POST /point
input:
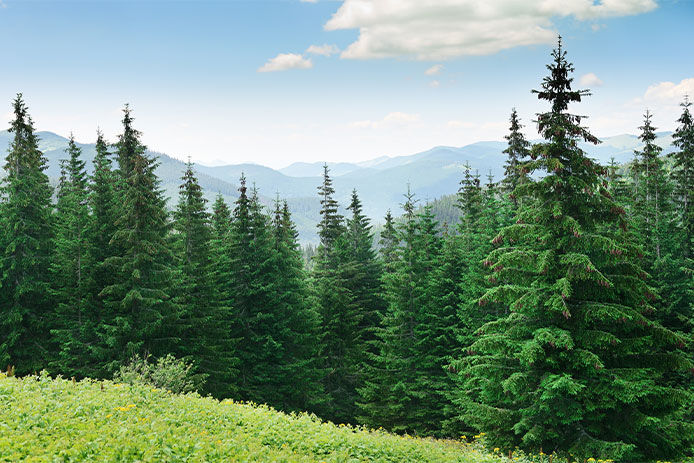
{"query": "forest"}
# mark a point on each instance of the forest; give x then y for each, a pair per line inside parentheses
(555, 316)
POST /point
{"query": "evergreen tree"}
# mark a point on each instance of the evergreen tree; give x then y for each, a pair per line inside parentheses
(362, 271)
(101, 228)
(331, 224)
(517, 152)
(618, 187)
(340, 347)
(576, 365)
(297, 323)
(26, 237)
(388, 241)
(652, 194)
(251, 295)
(683, 177)
(465, 252)
(404, 390)
(204, 339)
(141, 316)
(75, 321)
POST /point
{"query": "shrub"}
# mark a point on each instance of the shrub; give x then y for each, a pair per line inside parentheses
(168, 372)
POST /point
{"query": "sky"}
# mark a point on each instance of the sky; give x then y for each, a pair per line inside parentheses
(273, 82)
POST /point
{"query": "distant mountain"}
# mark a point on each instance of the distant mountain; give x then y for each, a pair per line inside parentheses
(381, 182)
(313, 169)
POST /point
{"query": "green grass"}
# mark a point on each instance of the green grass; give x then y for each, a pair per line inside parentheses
(44, 419)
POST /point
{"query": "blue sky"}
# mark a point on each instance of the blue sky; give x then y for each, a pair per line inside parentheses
(401, 76)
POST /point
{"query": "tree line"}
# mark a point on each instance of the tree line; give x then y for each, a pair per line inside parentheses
(555, 316)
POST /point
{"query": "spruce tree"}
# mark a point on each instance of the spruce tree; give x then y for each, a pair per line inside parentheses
(340, 349)
(652, 194)
(465, 252)
(204, 339)
(388, 241)
(577, 365)
(251, 296)
(299, 372)
(404, 388)
(362, 272)
(75, 318)
(141, 315)
(101, 228)
(683, 177)
(517, 152)
(26, 241)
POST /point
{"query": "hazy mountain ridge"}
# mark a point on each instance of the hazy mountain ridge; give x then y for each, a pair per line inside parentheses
(380, 182)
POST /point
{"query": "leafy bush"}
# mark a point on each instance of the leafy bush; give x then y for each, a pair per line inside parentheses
(167, 372)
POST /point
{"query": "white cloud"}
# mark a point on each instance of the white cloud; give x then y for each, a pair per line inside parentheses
(434, 84)
(323, 50)
(434, 70)
(391, 120)
(456, 124)
(669, 92)
(590, 80)
(285, 61)
(442, 29)
(308, 1)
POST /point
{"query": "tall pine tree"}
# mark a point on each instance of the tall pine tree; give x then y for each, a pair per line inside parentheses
(517, 152)
(204, 338)
(577, 365)
(75, 319)
(141, 315)
(26, 240)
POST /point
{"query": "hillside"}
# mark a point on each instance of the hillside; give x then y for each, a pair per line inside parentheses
(46, 419)
(430, 174)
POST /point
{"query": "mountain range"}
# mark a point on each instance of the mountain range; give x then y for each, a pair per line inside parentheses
(380, 182)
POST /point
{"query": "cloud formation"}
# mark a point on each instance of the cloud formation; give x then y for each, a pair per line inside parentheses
(590, 80)
(434, 70)
(285, 61)
(323, 50)
(669, 92)
(443, 29)
(391, 120)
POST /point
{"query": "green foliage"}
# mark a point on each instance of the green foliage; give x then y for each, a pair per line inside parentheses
(46, 418)
(203, 316)
(75, 320)
(168, 373)
(26, 241)
(517, 151)
(140, 314)
(404, 390)
(577, 364)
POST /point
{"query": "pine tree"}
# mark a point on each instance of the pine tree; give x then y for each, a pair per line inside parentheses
(683, 177)
(299, 373)
(204, 339)
(618, 187)
(141, 316)
(251, 295)
(577, 364)
(25, 247)
(75, 320)
(517, 152)
(462, 263)
(388, 241)
(362, 271)
(101, 228)
(330, 226)
(403, 391)
(340, 316)
(652, 205)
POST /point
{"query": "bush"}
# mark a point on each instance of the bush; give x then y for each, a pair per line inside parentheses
(170, 373)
